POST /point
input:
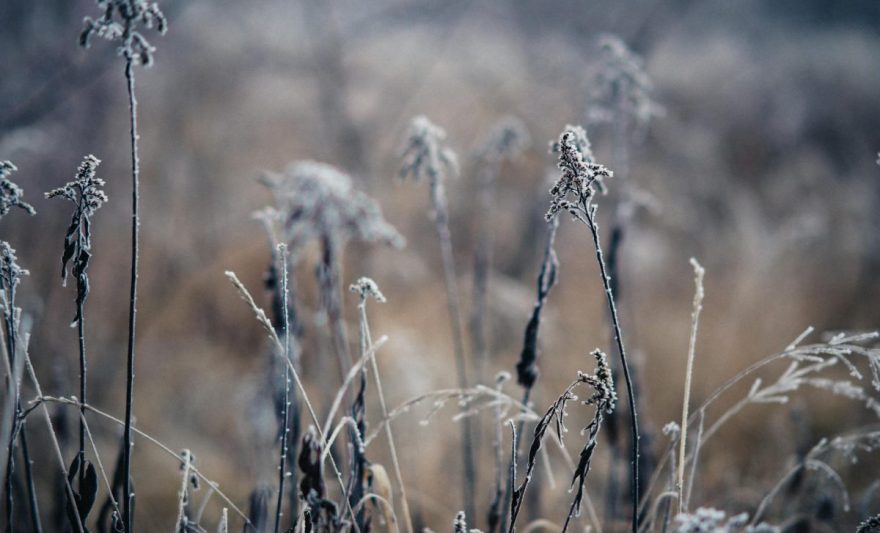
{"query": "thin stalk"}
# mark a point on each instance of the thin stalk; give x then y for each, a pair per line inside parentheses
(329, 282)
(590, 213)
(395, 462)
(80, 327)
(56, 446)
(454, 310)
(692, 344)
(285, 409)
(31, 487)
(127, 495)
(17, 429)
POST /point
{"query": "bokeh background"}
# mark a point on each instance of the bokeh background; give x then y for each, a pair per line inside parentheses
(762, 166)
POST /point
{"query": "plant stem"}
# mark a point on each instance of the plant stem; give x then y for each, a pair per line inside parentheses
(127, 495)
(368, 344)
(80, 326)
(17, 427)
(468, 465)
(590, 213)
(285, 409)
(29, 475)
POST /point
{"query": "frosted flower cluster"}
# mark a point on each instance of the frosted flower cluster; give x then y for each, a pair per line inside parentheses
(315, 201)
(604, 395)
(11, 194)
(423, 156)
(580, 174)
(86, 189)
(623, 90)
(10, 272)
(367, 288)
(133, 46)
(507, 138)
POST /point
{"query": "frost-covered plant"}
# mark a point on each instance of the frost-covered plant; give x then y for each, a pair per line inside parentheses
(604, 398)
(574, 193)
(622, 92)
(10, 277)
(318, 202)
(425, 158)
(119, 23)
(366, 288)
(133, 46)
(11, 194)
(87, 195)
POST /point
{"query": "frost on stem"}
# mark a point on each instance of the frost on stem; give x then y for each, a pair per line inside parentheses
(367, 288)
(316, 201)
(87, 195)
(11, 194)
(423, 156)
(119, 22)
(580, 174)
(622, 88)
(508, 138)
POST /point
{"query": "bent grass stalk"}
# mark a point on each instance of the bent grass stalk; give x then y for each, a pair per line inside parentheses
(699, 273)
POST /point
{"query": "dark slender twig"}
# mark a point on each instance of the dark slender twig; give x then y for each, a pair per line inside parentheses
(618, 338)
(285, 409)
(574, 193)
(127, 495)
(136, 50)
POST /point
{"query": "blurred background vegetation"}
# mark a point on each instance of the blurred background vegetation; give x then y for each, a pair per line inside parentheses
(762, 166)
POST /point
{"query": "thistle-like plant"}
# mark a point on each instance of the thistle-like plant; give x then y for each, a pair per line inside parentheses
(119, 23)
(425, 158)
(87, 195)
(575, 193)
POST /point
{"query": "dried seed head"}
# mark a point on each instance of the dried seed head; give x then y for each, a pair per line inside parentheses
(622, 88)
(672, 430)
(507, 138)
(366, 288)
(315, 201)
(85, 190)
(86, 193)
(11, 194)
(423, 156)
(604, 394)
(131, 13)
(573, 190)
